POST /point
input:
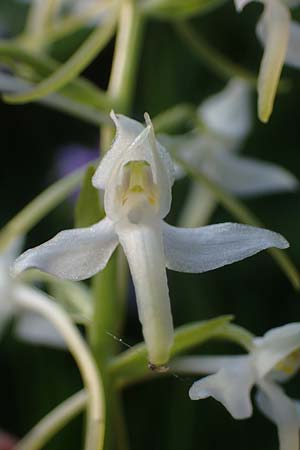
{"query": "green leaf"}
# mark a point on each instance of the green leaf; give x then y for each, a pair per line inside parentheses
(132, 365)
(179, 9)
(71, 68)
(88, 210)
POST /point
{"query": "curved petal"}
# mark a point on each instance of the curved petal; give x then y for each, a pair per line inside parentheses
(247, 176)
(127, 130)
(134, 142)
(33, 329)
(228, 113)
(143, 148)
(197, 250)
(143, 247)
(206, 364)
(273, 29)
(231, 386)
(274, 346)
(279, 408)
(292, 57)
(73, 254)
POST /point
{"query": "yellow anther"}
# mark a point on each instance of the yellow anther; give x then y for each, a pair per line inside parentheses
(138, 179)
(290, 364)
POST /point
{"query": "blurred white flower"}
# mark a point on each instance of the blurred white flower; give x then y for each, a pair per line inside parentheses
(274, 358)
(280, 37)
(28, 327)
(136, 175)
(226, 119)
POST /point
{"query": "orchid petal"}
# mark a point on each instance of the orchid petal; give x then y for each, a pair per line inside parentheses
(273, 28)
(163, 170)
(228, 113)
(231, 386)
(292, 57)
(127, 130)
(133, 142)
(143, 247)
(73, 254)
(279, 408)
(197, 250)
(247, 176)
(274, 346)
(205, 364)
(33, 329)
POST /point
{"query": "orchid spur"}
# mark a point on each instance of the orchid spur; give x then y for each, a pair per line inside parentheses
(137, 175)
(273, 358)
(280, 37)
(225, 122)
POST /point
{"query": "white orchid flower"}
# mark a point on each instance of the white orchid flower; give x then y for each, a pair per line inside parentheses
(274, 358)
(280, 37)
(226, 119)
(136, 175)
(29, 327)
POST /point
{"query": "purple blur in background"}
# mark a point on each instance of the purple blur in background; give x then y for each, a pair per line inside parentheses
(70, 158)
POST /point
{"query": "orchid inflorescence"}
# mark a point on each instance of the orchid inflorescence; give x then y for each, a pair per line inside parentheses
(122, 217)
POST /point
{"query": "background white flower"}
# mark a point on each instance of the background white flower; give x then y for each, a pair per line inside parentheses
(29, 327)
(274, 358)
(227, 121)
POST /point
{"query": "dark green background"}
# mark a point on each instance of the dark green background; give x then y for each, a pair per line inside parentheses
(159, 414)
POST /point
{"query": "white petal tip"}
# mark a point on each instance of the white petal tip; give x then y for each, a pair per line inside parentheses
(147, 119)
(281, 242)
(240, 4)
(113, 116)
(197, 394)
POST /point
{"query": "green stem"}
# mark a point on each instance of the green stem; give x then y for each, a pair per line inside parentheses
(37, 301)
(39, 17)
(125, 61)
(56, 101)
(132, 365)
(78, 89)
(39, 207)
(110, 295)
(172, 118)
(243, 214)
(215, 60)
(53, 422)
(67, 25)
(71, 68)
